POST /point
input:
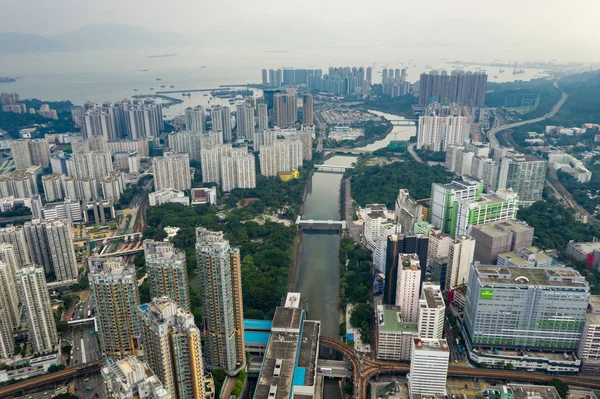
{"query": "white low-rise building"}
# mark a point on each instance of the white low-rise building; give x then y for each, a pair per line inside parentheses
(569, 164)
(168, 195)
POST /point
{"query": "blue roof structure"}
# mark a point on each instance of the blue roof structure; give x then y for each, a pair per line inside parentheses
(256, 337)
(253, 324)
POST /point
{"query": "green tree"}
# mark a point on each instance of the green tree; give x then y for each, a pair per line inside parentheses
(62, 326)
(561, 387)
(362, 314)
(66, 349)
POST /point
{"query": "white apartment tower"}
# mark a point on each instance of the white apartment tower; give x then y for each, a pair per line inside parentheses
(221, 121)
(262, 116)
(431, 312)
(10, 297)
(428, 367)
(172, 170)
(19, 150)
(53, 190)
(15, 236)
(38, 309)
(51, 246)
(194, 119)
(407, 288)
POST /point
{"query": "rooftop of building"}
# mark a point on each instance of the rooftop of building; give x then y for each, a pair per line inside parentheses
(539, 255)
(586, 247)
(519, 353)
(561, 277)
(593, 318)
(518, 391)
(487, 199)
(524, 157)
(515, 259)
(390, 320)
(438, 345)
(581, 394)
(434, 299)
(287, 318)
(290, 358)
(500, 228)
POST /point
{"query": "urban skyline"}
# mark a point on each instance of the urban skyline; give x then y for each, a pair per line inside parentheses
(152, 246)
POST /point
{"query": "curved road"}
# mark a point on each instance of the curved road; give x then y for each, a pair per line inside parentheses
(492, 133)
(552, 180)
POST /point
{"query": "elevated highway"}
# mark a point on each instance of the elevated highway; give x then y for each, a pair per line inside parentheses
(59, 376)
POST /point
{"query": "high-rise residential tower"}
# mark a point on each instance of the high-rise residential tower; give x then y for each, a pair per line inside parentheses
(244, 120)
(172, 170)
(167, 272)
(15, 236)
(262, 116)
(265, 78)
(51, 246)
(172, 348)
(38, 309)
(19, 150)
(307, 109)
(116, 299)
(221, 298)
(195, 119)
(524, 174)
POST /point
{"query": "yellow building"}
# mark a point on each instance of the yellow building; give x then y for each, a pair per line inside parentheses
(287, 176)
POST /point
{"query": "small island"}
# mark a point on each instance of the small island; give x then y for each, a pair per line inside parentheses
(7, 80)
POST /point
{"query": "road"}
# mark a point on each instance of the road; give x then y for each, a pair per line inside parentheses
(411, 150)
(492, 133)
(51, 379)
(551, 178)
(86, 350)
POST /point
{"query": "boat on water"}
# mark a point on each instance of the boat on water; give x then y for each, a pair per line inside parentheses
(205, 95)
(202, 66)
(495, 76)
(158, 79)
(135, 90)
(501, 71)
(172, 86)
(162, 86)
(152, 88)
(144, 70)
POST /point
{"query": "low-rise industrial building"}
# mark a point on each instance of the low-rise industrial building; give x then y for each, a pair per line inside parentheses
(289, 367)
(394, 336)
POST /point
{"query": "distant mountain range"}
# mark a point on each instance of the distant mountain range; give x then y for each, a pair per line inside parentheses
(91, 37)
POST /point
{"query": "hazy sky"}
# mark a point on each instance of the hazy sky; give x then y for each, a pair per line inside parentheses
(548, 28)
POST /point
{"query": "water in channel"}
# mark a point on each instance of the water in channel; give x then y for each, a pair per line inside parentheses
(319, 278)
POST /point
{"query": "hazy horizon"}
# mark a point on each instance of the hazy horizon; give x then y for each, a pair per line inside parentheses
(509, 29)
